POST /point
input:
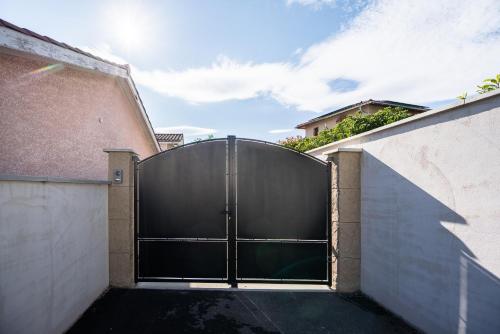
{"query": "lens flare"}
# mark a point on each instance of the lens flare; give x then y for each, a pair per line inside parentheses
(32, 77)
(131, 25)
(47, 69)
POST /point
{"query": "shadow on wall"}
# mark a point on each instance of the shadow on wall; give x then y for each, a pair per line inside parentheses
(414, 259)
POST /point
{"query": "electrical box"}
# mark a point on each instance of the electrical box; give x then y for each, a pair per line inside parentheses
(118, 176)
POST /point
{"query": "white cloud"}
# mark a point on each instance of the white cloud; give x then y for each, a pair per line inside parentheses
(316, 4)
(224, 80)
(412, 51)
(187, 130)
(281, 130)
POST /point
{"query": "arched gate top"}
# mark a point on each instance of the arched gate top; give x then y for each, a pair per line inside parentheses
(166, 152)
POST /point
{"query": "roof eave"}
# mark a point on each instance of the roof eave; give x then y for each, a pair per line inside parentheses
(320, 118)
(402, 105)
(17, 41)
(142, 110)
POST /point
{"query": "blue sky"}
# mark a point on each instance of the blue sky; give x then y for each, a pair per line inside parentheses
(257, 68)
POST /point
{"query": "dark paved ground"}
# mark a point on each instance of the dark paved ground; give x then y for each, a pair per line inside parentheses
(196, 311)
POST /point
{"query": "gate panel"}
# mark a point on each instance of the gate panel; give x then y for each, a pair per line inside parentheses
(282, 214)
(182, 230)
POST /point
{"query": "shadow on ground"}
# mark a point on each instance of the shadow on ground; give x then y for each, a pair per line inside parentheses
(197, 311)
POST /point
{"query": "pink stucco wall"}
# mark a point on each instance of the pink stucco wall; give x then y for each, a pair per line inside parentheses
(56, 122)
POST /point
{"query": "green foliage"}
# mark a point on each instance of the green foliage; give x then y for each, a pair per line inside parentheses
(489, 84)
(201, 139)
(462, 97)
(349, 126)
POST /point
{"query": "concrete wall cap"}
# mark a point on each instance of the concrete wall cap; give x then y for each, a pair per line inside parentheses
(50, 179)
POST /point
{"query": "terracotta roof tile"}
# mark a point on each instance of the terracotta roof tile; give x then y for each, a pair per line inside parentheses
(169, 137)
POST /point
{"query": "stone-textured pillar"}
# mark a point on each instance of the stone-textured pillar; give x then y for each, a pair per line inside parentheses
(121, 217)
(346, 231)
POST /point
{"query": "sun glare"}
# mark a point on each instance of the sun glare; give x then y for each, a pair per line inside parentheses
(130, 25)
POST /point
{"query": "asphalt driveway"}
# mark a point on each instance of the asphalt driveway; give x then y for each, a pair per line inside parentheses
(203, 311)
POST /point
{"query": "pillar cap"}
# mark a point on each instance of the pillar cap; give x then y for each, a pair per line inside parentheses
(344, 149)
(120, 150)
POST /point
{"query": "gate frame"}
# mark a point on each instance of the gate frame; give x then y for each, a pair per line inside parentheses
(231, 241)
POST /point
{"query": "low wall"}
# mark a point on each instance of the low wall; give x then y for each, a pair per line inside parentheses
(430, 216)
(53, 252)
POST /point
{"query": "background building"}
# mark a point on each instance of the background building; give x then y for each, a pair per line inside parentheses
(169, 140)
(327, 121)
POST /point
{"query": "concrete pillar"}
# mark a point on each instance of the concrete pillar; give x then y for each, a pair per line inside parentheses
(346, 229)
(121, 217)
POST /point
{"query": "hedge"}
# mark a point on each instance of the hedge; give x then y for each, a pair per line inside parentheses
(349, 126)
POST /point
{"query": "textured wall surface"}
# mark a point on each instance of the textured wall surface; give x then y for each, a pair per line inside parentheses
(56, 120)
(430, 218)
(121, 213)
(346, 216)
(53, 253)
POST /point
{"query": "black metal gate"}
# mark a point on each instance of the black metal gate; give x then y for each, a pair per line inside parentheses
(234, 210)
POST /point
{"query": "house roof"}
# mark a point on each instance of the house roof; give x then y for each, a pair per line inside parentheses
(413, 107)
(169, 137)
(28, 32)
(26, 41)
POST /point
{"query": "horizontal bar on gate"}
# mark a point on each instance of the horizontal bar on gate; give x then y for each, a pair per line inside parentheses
(182, 279)
(183, 239)
(279, 279)
(281, 240)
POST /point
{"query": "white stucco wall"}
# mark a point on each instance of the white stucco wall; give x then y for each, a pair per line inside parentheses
(430, 217)
(53, 253)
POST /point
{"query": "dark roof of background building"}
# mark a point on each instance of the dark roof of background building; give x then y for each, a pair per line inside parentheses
(169, 137)
(31, 33)
(413, 107)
